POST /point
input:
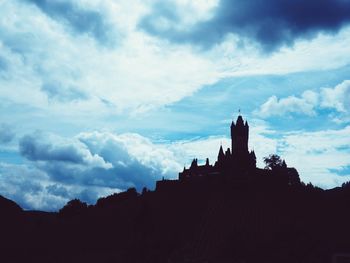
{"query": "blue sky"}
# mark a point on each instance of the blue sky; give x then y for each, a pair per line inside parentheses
(98, 96)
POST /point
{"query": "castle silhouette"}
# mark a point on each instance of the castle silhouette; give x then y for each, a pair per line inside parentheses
(235, 165)
(238, 158)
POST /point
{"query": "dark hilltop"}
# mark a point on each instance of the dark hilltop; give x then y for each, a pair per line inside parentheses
(229, 211)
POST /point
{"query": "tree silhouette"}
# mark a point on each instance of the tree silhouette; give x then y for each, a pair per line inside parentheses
(273, 161)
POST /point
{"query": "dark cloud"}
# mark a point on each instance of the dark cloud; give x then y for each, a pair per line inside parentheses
(272, 23)
(94, 160)
(56, 91)
(7, 133)
(79, 19)
(35, 149)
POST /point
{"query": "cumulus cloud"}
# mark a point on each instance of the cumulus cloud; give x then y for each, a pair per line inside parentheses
(100, 159)
(271, 24)
(336, 98)
(136, 159)
(40, 147)
(303, 105)
(87, 166)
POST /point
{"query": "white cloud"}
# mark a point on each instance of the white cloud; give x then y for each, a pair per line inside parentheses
(138, 74)
(317, 155)
(305, 105)
(130, 147)
(337, 98)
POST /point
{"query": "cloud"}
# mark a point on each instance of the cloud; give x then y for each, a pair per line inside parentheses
(100, 159)
(278, 107)
(271, 24)
(139, 74)
(337, 98)
(310, 102)
(81, 20)
(40, 147)
(55, 91)
(135, 158)
(32, 188)
(7, 134)
(87, 166)
(318, 156)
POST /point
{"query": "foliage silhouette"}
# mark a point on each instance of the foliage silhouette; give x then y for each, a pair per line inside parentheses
(274, 161)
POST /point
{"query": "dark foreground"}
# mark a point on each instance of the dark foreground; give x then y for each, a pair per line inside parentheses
(209, 221)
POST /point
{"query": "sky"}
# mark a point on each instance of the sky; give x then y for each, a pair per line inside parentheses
(97, 96)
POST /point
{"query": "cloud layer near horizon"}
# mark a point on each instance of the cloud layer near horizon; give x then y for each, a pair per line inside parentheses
(64, 168)
(95, 164)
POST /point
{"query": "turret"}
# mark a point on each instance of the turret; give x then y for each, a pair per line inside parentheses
(221, 155)
(194, 163)
(239, 136)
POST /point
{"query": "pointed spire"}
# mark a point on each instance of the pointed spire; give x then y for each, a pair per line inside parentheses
(221, 151)
(207, 162)
(194, 163)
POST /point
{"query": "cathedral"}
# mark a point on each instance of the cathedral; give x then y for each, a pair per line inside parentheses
(236, 160)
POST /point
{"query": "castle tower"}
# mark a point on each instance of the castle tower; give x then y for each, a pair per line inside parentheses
(239, 137)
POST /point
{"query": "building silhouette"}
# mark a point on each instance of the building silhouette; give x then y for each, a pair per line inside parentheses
(234, 166)
(232, 162)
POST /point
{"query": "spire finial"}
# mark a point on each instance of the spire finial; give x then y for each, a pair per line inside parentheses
(239, 111)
